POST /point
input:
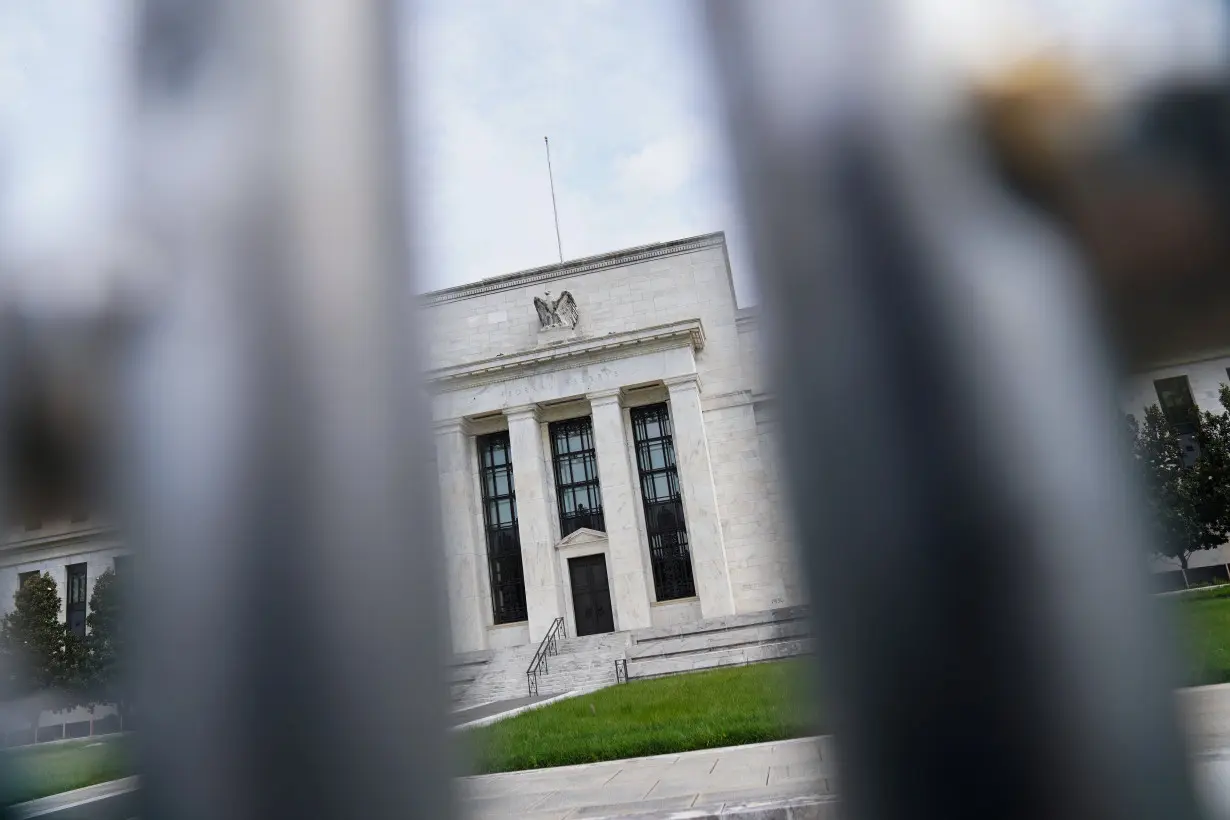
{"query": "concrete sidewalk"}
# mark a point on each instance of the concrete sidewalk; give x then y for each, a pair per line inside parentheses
(709, 783)
(60, 804)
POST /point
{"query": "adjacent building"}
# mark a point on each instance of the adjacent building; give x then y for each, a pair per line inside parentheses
(1181, 389)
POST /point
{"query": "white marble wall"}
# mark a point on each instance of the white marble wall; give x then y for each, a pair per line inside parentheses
(675, 613)
(760, 565)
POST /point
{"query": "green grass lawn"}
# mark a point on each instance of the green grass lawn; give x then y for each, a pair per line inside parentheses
(1204, 620)
(51, 768)
(701, 710)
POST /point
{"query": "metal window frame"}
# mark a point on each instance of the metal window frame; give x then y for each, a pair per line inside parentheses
(593, 518)
(76, 593)
(508, 604)
(670, 554)
(1186, 424)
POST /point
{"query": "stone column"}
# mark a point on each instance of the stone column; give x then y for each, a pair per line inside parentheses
(699, 498)
(542, 588)
(620, 495)
(465, 553)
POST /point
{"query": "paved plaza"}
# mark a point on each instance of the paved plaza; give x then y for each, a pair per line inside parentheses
(695, 783)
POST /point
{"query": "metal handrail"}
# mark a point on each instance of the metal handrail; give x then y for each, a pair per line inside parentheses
(549, 646)
(621, 670)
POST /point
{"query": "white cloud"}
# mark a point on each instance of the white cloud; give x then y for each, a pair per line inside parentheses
(662, 167)
(59, 84)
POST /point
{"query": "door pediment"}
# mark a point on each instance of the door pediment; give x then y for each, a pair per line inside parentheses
(583, 537)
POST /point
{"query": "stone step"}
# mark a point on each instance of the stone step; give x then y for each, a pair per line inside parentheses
(729, 638)
(656, 667)
(732, 640)
(501, 677)
(723, 623)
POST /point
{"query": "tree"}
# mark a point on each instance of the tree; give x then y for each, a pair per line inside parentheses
(1190, 504)
(106, 645)
(42, 656)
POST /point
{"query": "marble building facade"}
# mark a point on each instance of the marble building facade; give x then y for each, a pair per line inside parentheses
(604, 448)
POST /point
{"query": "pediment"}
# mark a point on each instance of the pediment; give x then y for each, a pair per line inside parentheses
(581, 537)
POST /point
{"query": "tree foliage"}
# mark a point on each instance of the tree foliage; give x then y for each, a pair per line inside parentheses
(41, 654)
(1190, 504)
(106, 645)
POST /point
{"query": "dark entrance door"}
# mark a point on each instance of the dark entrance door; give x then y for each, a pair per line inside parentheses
(591, 595)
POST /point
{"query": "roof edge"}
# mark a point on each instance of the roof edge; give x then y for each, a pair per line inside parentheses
(586, 264)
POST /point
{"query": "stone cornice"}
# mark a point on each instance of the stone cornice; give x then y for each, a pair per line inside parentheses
(578, 266)
(1181, 361)
(56, 539)
(567, 354)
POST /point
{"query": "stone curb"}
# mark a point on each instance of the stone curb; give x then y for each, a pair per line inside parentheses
(489, 719)
(798, 807)
(1191, 590)
(76, 797)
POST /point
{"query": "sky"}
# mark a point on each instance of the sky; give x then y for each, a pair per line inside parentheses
(621, 87)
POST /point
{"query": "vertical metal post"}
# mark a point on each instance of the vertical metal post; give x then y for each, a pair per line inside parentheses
(959, 493)
(280, 489)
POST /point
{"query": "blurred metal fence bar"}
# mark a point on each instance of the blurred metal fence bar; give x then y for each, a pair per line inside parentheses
(278, 490)
(947, 409)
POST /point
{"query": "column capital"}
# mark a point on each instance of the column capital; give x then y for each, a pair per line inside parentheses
(521, 411)
(688, 381)
(444, 427)
(601, 398)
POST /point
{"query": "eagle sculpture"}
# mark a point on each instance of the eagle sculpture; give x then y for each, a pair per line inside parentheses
(560, 313)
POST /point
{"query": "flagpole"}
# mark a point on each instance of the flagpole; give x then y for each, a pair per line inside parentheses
(558, 245)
